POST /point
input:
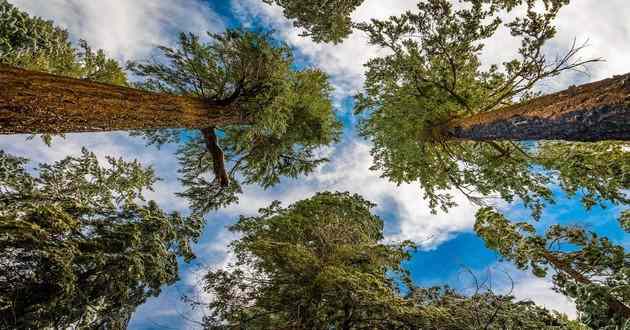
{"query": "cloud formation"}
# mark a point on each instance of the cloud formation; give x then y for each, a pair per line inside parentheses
(603, 25)
(125, 29)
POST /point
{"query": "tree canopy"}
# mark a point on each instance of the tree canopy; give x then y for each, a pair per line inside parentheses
(79, 247)
(286, 113)
(322, 20)
(321, 263)
(592, 270)
(435, 74)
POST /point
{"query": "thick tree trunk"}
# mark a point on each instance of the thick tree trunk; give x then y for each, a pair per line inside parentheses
(34, 102)
(592, 112)
(614, 304)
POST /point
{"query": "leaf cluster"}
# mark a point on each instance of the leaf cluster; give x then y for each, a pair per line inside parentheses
(588, 268)
(78, 245)
(36, 44)
(320, 263)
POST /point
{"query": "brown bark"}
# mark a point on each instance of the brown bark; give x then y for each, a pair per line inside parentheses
(218, 158)
(592, 112)
(614, 304)
(34, 102)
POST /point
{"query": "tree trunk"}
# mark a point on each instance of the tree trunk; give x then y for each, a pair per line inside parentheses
(613, 304)
(592, 112)
(34, 102)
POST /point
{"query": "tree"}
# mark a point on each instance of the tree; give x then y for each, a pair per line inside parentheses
(79, 247)
(588, 268)
(427, 105)
(285, 114)
(252, 109)
(320, 264)
(316, 264)
(323, 20)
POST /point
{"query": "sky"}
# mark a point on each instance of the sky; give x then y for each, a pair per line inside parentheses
(130, 30)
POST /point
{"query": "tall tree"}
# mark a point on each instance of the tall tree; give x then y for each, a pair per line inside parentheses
(79, 247)
(316, 264)
(433, 82)
(320, 264)
(255, 112)
(588, 268)
(285, 115)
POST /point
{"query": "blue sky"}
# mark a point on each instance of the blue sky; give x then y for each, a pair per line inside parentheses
(129, 29)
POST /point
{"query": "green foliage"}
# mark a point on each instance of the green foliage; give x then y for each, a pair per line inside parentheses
(600, 171)
(590, 269)
(35, 44)
(320, 264)
(484, 310)
(624, 220)
(287, 114)
(323, 20)
(79, 247)
(433, 75)
(317, 264)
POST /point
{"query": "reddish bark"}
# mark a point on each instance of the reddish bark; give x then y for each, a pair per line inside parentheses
(34, 102)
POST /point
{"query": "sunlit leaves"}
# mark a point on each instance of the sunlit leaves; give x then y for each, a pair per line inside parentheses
(434, 74)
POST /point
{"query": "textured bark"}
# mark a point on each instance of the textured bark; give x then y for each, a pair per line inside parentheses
(613, 304)
(34, 102)
(592, 112)
(218, 158)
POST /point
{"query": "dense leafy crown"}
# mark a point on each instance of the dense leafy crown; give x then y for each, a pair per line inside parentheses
(286, 113)
(588, 268)
(320, 264)
(323, 20)
(435, 74)
(316, 264)
(36, 44)
(78, 247)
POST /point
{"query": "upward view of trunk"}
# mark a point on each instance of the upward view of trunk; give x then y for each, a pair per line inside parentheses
(35, 102)
(592, 112)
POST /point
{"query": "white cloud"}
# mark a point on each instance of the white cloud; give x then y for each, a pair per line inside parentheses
(349, 170)
(606, 26)
(126, 29)
(603, 24)
(541, 291)
(344, 62)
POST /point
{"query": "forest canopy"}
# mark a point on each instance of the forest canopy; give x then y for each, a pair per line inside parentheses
(242, 110)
